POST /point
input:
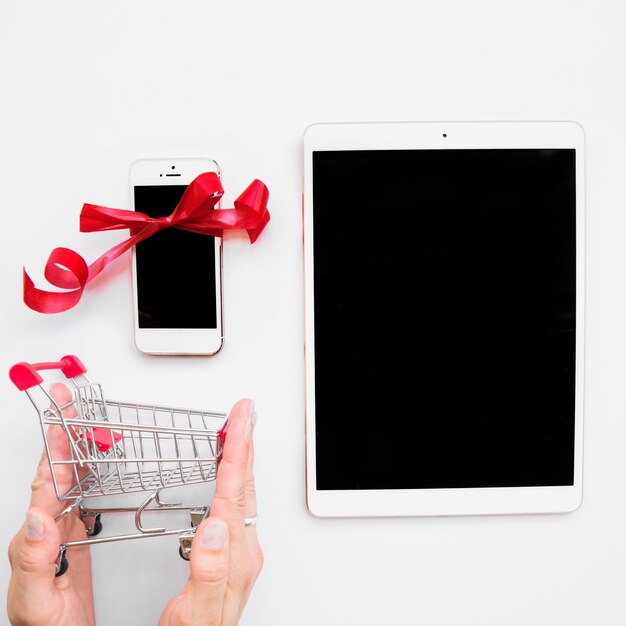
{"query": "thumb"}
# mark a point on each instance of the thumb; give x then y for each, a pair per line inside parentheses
(209, 564)
(33, 553)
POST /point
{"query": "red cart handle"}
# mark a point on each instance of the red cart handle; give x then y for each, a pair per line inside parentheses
(25, 376)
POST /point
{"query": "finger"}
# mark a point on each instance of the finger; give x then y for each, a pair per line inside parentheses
(32, 554)
(209, 570)
(43, 493)
(255, 552)
(71, 528)
(251, 505)
(230, 488)
(229, 503)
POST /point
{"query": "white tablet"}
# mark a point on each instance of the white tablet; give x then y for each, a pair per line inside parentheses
(444, 268)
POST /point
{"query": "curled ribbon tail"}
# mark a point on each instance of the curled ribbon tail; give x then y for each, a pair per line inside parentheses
(65, 269)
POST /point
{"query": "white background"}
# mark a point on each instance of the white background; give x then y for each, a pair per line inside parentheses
(87, 88)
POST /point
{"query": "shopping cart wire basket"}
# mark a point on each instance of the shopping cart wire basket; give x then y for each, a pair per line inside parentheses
(116, 448)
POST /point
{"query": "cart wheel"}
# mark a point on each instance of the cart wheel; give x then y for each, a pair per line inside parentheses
(63, 565)
(182, 554)
(97, 526)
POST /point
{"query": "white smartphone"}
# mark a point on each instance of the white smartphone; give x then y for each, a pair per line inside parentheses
(177, 275)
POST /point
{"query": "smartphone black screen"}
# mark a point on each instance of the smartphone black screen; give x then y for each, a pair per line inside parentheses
(445, 318)
(175, 268)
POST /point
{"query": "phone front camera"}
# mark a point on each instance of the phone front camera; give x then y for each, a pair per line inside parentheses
(445, 135)
(173, 167)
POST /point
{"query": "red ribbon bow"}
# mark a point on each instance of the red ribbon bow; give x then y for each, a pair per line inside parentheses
(67, 269)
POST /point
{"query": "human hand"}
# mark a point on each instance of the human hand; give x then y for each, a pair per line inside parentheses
(36, 597)
(224, 566)
(226, 558)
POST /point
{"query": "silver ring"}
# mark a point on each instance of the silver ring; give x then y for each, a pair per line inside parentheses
(250, 521)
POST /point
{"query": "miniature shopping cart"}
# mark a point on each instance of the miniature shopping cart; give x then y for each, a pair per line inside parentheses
(118, 448)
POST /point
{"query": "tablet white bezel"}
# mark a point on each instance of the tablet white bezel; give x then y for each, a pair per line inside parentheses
(441, 135)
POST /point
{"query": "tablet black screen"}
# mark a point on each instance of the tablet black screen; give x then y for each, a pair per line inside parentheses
(445, 287)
